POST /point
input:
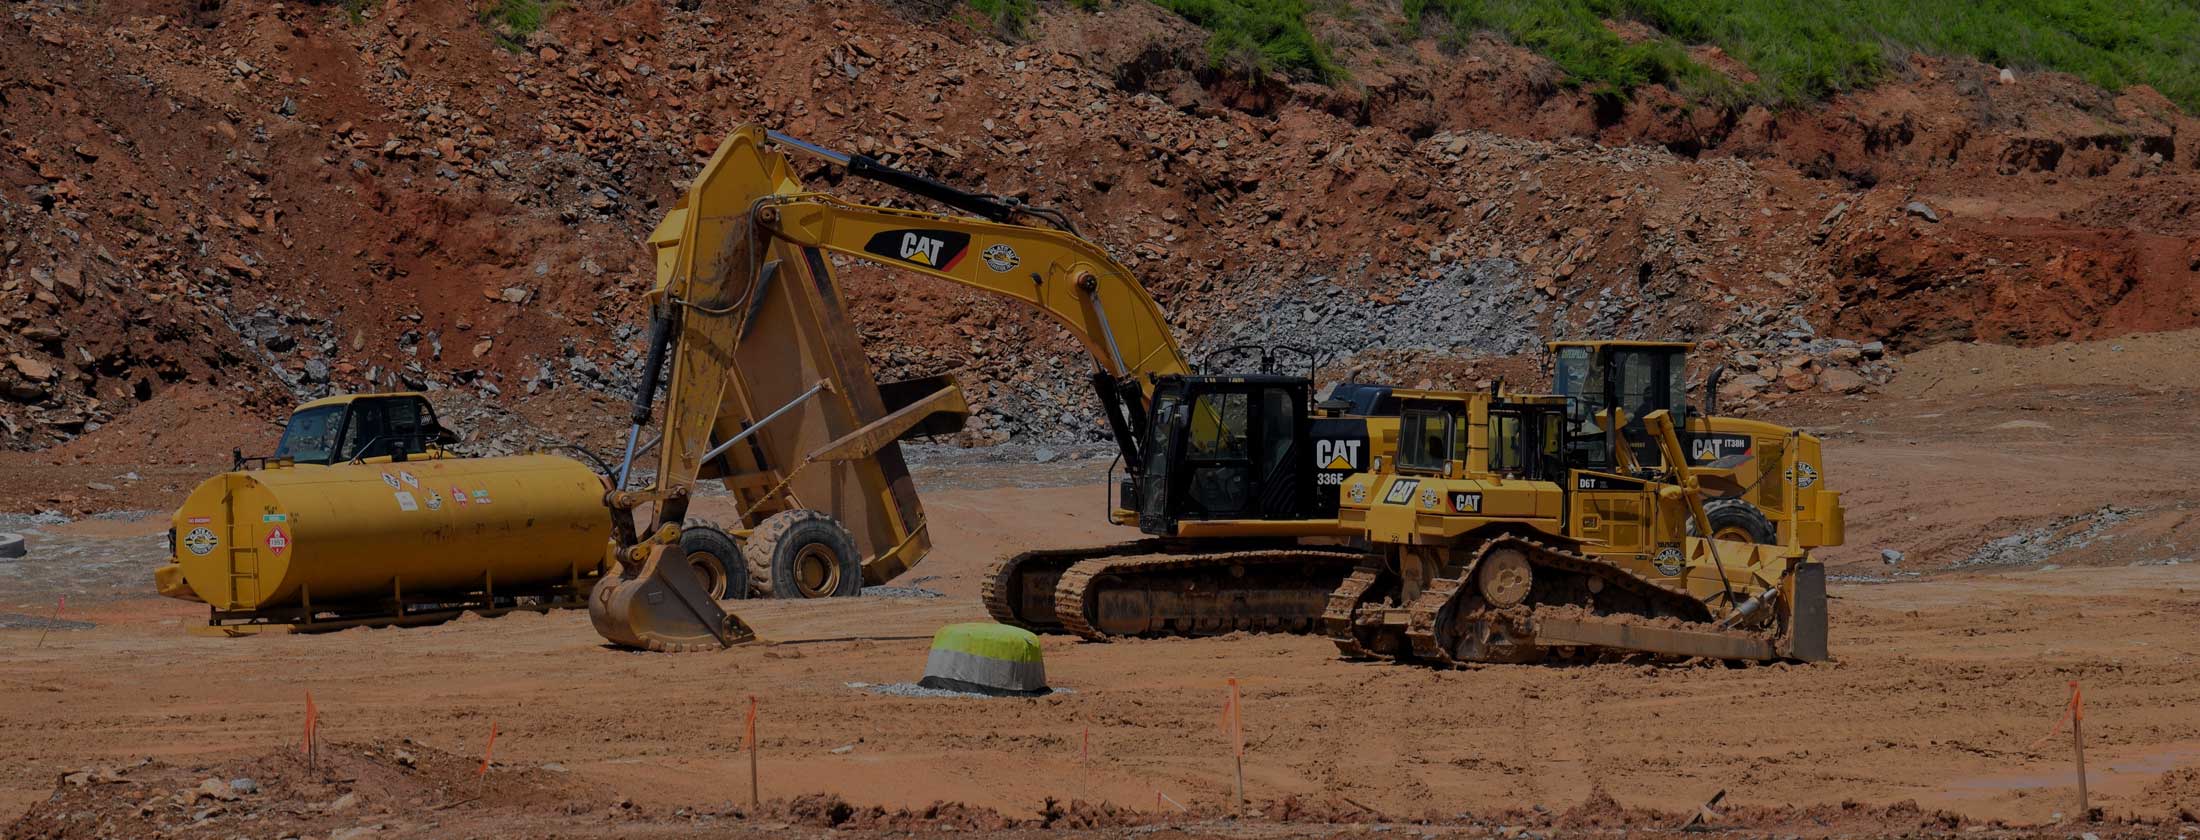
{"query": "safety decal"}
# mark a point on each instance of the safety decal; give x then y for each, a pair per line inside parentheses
(435, 500)
(1669, 561)
(201, 520)
(1401, 491)
(1466, 502)
(277, 541)
(405, 501)
(1809, 474)
(201, 541)
(481, 496)
(392, 481)
(1000, 257)
(458, 494)
(410, 481)
(934, 249)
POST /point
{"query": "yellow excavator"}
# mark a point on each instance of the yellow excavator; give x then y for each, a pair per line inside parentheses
(1242, 512)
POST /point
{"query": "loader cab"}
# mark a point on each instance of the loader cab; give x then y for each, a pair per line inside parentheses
(1637, 377)
(362, 427)
(1225, 448)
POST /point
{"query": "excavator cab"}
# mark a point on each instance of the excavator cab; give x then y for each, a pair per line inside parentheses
(1224, 448)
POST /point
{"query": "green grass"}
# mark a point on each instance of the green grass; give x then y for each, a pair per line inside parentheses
(1259, 36)
(1008, 15)
(1800, 50)
(514, 20)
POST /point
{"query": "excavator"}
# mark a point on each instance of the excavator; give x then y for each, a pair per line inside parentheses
(1252, 495)
(1236, 487)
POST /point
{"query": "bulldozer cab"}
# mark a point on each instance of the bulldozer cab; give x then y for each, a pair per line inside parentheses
(1226, 448)
(1636, 377)
(361, 427)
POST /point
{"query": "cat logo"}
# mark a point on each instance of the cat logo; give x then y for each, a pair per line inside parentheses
(934, 249)
(1669, 561)
(921, 249)
(1337, 454)
(1466, 502)
(1401, 491)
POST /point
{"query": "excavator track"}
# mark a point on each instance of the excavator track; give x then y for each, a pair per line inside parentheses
(1664, 621)
(1274, 590)
(1019, 591)
(1344, 602)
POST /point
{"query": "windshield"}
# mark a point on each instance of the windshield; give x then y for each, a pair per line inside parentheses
(1424, 440)
(311, 435)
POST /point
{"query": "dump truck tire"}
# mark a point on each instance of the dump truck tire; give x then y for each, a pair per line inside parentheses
(1737, 519)
(717, 561)
(804, 554)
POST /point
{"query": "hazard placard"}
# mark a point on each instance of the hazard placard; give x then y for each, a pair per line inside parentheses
(277, 541)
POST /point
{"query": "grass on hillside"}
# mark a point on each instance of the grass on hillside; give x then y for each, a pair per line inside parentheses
(1800, 50)
(514, 20)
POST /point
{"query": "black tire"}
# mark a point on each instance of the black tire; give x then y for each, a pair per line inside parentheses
(804, 554)
(1737, 516)
(706, 546)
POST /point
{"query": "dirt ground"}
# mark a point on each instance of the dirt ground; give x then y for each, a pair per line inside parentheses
(2046, 536)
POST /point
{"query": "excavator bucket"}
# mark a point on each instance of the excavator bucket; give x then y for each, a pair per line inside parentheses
(662, 607)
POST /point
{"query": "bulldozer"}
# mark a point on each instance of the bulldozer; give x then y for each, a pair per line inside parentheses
(1512, 527)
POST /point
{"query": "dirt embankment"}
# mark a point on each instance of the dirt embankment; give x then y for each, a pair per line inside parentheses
(261, 202)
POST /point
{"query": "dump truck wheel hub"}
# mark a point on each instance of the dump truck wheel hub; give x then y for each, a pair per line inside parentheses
(817, 571)
(710, 572)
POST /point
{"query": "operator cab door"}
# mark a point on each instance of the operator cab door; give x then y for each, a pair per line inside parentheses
(1235, 451)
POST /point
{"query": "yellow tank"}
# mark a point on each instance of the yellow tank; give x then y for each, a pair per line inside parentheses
(299, 544)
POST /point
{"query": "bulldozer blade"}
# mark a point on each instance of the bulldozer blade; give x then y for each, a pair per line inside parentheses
(663, 607)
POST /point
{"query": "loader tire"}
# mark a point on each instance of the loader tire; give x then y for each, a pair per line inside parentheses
(804, 554)
(1737, 520)
(717, 561)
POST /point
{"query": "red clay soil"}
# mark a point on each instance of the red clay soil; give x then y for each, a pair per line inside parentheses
(256, 202)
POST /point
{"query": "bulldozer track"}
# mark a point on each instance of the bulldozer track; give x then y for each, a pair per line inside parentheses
(1075, 597)
(1426, 621)
(1422, 615)
(1343, 601)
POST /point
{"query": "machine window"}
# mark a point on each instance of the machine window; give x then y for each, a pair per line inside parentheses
(366, 432)
(1424, 439)
(1508, 453)
(311, 435)
(1218, 426)
(1157, 433)
(1278, 427)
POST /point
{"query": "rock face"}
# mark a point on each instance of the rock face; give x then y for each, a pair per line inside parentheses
(358, 193)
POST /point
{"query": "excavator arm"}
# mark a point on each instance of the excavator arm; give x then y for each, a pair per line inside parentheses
(746, 308)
